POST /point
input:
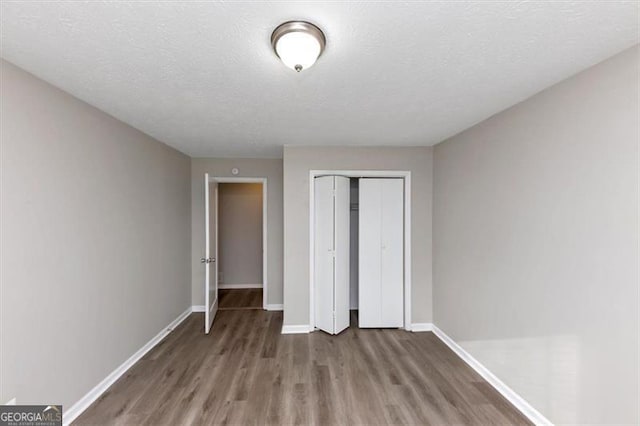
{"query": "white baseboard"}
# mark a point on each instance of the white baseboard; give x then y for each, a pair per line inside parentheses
(295, 329)
(197, 308)
(421, 326)
(76, 409)
(516, 400)
(12, 401)
(232, 286)
(275, 307)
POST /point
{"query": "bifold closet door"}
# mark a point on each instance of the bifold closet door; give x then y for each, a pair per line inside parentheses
(381, 253)
(331, 253)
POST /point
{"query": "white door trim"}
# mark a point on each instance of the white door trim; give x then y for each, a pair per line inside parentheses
(406, 175)
(263, 181)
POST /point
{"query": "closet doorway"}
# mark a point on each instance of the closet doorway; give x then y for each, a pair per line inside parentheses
(360, 249)
(235, 245)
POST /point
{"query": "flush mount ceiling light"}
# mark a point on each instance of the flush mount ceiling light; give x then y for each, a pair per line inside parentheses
(298, 44)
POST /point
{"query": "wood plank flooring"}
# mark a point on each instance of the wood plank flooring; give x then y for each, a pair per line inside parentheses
(245, 298)
(246, 372)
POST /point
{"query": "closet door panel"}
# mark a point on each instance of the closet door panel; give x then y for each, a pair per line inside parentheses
(392, 257)
(369, 261)
(323, 253)
(342, 213)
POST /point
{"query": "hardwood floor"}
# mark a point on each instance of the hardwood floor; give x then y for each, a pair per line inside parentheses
(245, 298)
(246, 372)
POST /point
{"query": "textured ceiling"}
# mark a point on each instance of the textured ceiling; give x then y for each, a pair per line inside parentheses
(201, 76)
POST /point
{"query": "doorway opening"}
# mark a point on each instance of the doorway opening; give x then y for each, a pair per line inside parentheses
(240, 245)
(236, 245)
(360, 249)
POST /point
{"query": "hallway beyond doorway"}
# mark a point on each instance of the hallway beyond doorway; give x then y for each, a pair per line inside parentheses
(245, 298)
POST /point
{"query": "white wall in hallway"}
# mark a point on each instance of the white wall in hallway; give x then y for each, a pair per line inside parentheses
(240, 233)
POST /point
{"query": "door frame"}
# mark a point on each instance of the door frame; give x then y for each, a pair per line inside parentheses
(406, 175)
(263, 181)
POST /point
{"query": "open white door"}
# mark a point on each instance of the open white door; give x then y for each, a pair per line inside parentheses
(331, 253)
(342, 247)
(323, 253)
(210, 252)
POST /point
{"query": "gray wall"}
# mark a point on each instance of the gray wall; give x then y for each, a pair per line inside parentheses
(297, 163)
(240, 233)
(95, 241)
(536, 245)
(221, 167)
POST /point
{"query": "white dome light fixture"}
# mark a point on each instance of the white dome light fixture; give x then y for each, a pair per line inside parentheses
(298, 44)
